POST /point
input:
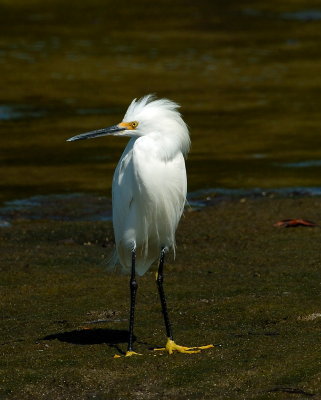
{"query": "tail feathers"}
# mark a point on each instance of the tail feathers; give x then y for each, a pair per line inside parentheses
(114, 265)
(112, 262)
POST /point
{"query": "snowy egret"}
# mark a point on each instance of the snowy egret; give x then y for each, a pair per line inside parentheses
(148, 195)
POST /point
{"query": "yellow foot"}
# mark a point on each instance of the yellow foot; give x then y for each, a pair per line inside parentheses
(128, 354)
(171, 346)
(132, 353)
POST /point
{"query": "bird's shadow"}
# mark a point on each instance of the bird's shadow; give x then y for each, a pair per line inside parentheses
(111, 337)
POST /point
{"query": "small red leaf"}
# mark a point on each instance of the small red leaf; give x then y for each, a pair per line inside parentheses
(293, 223)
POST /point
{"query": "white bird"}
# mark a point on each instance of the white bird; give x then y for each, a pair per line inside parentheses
(148, 194)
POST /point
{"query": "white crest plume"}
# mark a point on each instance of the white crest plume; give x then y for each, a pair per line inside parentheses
(161, 115)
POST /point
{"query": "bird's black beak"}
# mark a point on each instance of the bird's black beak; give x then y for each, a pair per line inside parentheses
(111, 130)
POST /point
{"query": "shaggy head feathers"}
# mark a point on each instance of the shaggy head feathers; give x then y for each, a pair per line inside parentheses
(159, 116)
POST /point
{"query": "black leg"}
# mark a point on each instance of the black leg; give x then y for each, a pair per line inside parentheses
(133, 290)
(160, 279)
(171, 346)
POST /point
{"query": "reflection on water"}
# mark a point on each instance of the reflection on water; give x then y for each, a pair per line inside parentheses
(16, 112)
(302, 164)
(10, 113)
(84, 207)
(72, 207)
(247, 77)
(304, 15)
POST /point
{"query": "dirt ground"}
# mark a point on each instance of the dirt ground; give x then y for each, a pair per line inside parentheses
(239, 282)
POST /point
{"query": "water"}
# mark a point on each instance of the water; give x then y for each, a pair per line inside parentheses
(247, 77)
(90, 207)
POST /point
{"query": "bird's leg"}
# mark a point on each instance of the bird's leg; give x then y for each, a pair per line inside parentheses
(133, 290)
(171, 346)
(160, 280)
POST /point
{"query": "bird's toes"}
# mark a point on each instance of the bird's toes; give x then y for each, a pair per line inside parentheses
(171, 346)
(132, 353)
(208, 346)
(128, 354)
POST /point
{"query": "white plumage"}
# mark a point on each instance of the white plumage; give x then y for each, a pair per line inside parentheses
(149, 193)
(149, 185)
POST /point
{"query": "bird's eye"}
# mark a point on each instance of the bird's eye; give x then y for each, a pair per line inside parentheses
(134, 124)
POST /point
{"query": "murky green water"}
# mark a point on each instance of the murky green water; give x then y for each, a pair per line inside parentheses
(247, 75)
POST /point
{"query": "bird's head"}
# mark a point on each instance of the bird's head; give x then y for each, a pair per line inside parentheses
(146, 116)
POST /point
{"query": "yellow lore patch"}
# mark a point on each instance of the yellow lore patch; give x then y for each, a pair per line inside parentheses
(129, 125)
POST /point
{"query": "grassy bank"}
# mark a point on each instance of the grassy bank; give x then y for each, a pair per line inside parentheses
(237, 281)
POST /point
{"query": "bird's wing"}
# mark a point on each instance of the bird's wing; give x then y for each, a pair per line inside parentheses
(162, 189)
(122, 191)
(148, 200)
